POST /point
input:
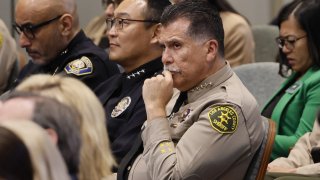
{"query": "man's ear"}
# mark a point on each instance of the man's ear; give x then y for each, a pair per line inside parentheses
(212, 49)
(156, 33)
(53, 135)
(66, 24)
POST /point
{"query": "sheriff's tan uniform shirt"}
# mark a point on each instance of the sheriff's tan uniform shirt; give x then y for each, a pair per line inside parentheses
(213, 136)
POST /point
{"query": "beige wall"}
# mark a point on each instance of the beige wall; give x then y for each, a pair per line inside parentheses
(257, 11)
(5, 11)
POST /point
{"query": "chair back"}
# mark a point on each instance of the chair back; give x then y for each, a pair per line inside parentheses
(261, 79)
(259, 163)
(266, 49)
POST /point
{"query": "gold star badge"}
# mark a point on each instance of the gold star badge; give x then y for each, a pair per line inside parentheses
(223, 119)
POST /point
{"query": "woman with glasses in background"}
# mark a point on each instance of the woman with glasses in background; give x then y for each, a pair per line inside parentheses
(294, 105)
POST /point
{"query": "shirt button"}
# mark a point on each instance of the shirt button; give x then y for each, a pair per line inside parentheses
(174, 125)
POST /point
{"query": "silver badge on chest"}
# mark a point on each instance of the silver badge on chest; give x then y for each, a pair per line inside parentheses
(122, 105)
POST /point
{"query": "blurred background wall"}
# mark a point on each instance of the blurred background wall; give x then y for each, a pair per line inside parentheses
(257, 11)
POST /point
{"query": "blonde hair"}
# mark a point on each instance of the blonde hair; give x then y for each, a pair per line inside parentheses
(8, 56)
(96, 159)
(47, 163)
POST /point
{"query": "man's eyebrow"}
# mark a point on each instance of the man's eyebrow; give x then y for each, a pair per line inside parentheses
(171, 40)
(122, 14)
(24, 24)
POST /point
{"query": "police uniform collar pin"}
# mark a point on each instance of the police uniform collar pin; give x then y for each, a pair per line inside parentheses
(202, 86)
(135, 74)
(122, 105)
(64, 52)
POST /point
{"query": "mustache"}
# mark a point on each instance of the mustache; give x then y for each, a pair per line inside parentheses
(30, 50)
(171, 69)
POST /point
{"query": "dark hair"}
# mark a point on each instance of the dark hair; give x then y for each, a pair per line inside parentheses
(284, 9)
(49, 113)
(307, 14)
(15, 160)
(205, 21)
(154, 10)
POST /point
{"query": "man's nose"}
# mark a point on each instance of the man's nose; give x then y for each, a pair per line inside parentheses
(24, 41)
(166, 57)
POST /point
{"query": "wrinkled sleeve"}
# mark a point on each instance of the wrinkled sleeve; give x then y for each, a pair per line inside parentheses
(201, 151)
(299, 156)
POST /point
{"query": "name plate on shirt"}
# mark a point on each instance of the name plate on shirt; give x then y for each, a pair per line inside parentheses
(295, 87)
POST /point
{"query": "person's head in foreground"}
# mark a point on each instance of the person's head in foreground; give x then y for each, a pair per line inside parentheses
(95, 157)
(26, 152)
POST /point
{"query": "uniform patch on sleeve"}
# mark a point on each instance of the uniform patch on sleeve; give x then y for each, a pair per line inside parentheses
(1, 39)
(79, 67)
(165, 147)
(223, 119)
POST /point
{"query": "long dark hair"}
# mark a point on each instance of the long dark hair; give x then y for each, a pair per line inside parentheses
(307, 13)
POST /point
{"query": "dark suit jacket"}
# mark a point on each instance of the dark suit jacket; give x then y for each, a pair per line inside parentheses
(121, 96)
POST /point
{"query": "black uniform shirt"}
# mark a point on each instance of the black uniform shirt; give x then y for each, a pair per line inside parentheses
(122, 99)
(81, 59)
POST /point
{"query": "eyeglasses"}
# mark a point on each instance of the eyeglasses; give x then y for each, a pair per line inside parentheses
(288, 41)
(29, 29)
(118, 22)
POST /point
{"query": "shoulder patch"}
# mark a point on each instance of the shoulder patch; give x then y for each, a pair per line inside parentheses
(79, 67)
(223, 119)
(1, 39)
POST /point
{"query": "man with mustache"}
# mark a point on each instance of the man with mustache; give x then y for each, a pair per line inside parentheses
(50, 33)
(133, 36)
(218, 128)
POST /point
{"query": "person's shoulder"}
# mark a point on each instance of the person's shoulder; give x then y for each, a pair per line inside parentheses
(96, 28)
(106, 88)
(28, 67)
(106, 84)
(233, 17)
(233, 23)
(314, 77)
(94, 24)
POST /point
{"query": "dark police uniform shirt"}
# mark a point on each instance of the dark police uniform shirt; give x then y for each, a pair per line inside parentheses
(121, 96)
(81, 59)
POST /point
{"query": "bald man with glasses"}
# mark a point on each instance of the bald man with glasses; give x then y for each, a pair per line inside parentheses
(50, 33)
